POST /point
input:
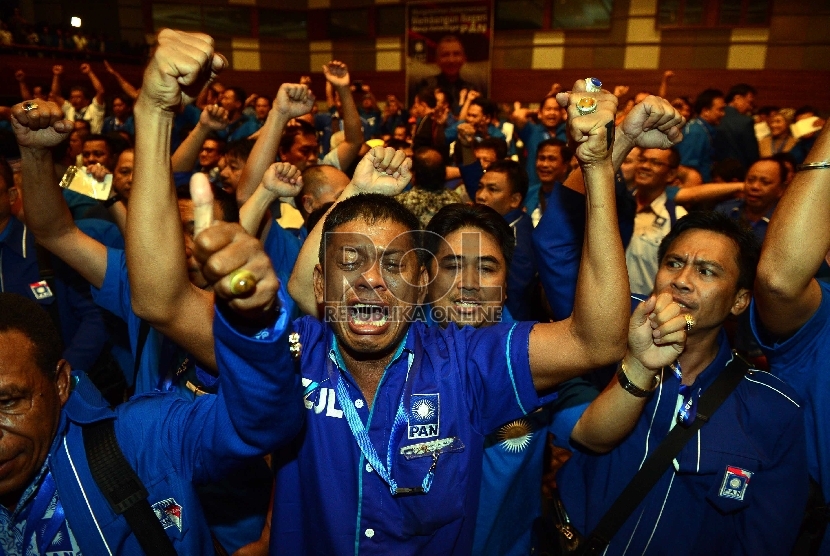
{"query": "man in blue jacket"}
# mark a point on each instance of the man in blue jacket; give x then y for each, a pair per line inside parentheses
(740, 485)
(49, 502)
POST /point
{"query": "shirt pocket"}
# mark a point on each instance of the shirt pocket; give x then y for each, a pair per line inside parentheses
(423, 514)
(730, 477)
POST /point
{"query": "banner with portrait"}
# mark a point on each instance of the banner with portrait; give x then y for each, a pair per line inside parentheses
(448, 47)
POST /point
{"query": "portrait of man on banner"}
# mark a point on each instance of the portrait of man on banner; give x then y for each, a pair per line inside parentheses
(448, 48)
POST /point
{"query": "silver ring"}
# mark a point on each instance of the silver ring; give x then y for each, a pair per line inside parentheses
(28, 106)
(593, 85)
(586, 105)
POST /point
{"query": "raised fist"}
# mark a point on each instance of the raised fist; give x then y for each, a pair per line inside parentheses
(337, 73)
(283, 180)
(182, 65)
(383, 170)
(40, 128)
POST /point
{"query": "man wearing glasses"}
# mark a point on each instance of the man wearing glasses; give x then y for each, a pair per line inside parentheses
(656, 169)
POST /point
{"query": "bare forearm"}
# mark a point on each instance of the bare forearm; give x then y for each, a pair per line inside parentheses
(49, 219)
(796, 242)
(262, 155)
(352, 132)
(301, 283)
(25, 93)
(185, 157)
(623, 145)
(156, 275)
(56, 89)
(126, 86)
(601, 304)
(707, 192)
(255, 209)
(98, 86)
(610, 417)
(46, 212)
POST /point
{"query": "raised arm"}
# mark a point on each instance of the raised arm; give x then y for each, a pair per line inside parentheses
(594, 334)
(520, 116)
(664, 83)
(652, 124)
(161, 292)
(338, 75)
(213, 118)
(656, 337)
(292, 101)
(55, 94)
(96, 83)
(280, 180)
(25, 93)
(125, 85)
(382, 170)
(797, 240)
(707, 192)
(47, 215)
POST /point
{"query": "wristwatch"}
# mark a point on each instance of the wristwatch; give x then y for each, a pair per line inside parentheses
(632, 388)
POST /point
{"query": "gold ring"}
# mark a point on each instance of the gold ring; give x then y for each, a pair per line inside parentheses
(28, 106)
(586, 105)
(242, 281)
(690, 322)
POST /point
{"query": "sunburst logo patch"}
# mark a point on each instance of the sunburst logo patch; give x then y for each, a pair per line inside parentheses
(515, 436)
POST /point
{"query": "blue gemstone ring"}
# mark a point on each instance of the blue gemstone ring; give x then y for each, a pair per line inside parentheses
(593, 85)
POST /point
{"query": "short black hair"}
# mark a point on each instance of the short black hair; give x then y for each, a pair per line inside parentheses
(427, 96)
(497, 144)
(516, 175)
(748, 244)
(706, 98)
(117, 144)
(240, 149)
(455, 216)
(564, 150)
(488, 108)
(806, 109)
(98, 137)
(786, 158)
(782, 168)
(238, 93)
(429, 169)
(80, 88)
(741, 89)
(372, 208)
(729, 170)
(24, 315)
(297, 127)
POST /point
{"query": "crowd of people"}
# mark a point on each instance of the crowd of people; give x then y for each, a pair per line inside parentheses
(331, 327)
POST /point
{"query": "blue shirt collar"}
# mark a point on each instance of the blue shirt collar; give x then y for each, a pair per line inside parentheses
(514, 215)
(337, 357)
(12, 237)
(718, 364)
